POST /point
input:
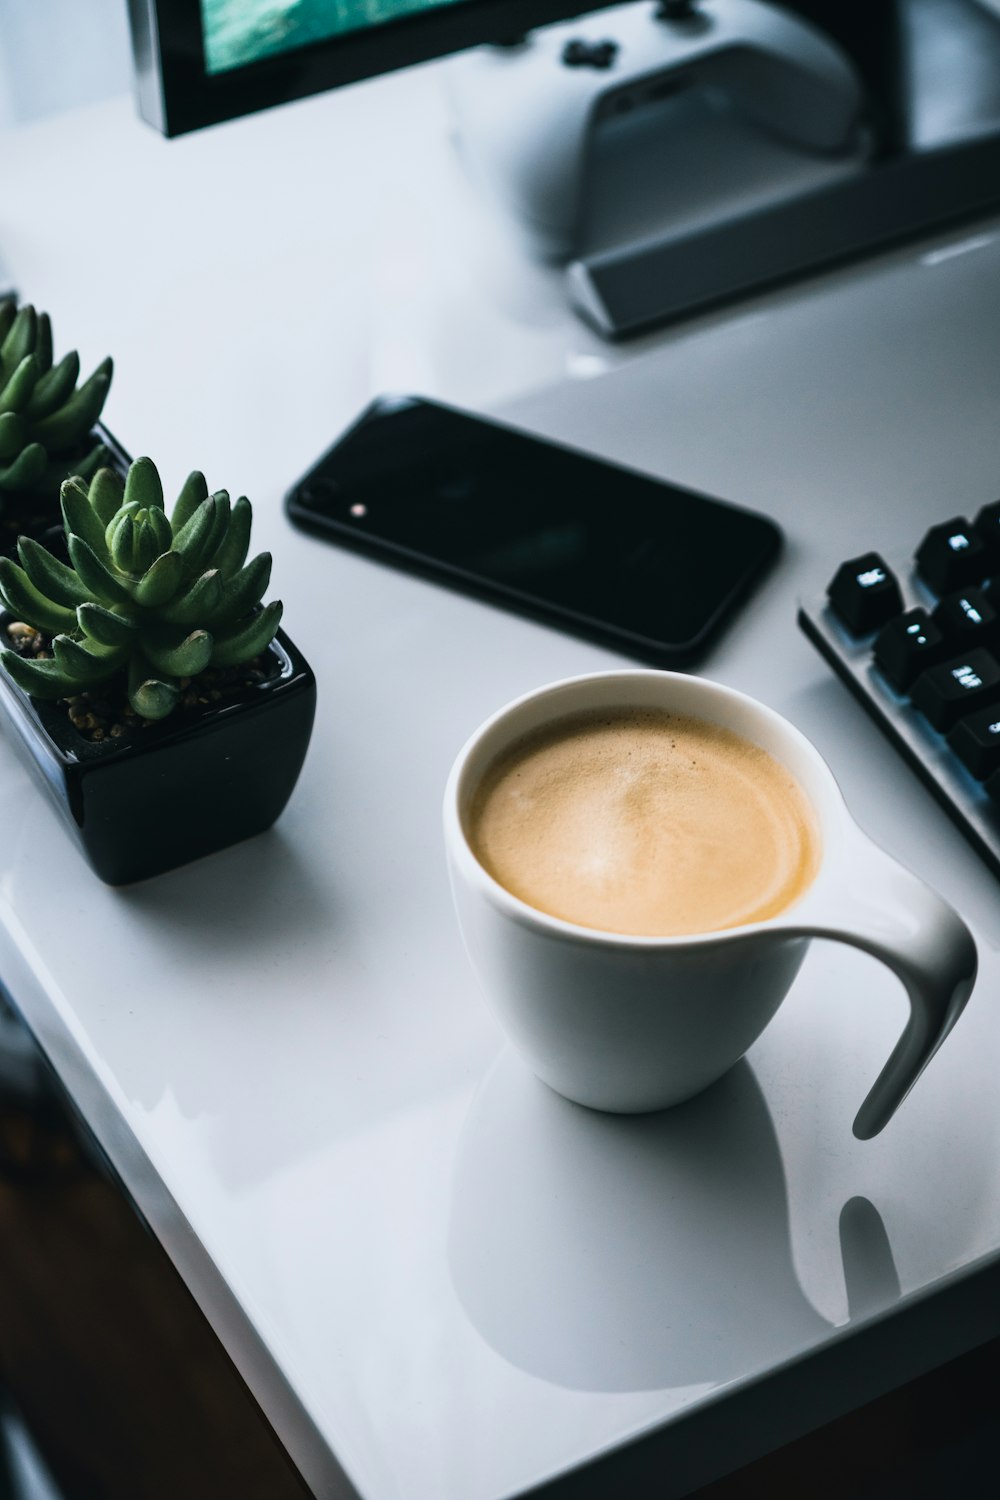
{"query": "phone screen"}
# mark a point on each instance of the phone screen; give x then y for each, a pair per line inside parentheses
(632, 561)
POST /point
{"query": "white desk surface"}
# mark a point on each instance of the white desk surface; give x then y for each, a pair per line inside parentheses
(441, 1281)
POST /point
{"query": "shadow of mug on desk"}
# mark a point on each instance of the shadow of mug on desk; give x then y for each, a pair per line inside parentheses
(639, 860)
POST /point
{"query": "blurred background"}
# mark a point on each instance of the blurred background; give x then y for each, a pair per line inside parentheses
(56, 54)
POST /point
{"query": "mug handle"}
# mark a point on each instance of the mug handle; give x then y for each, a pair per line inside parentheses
(893, 915)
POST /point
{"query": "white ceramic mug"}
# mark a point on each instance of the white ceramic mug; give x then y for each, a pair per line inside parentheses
(630, 1024)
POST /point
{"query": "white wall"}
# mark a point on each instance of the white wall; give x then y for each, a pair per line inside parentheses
(58, 53)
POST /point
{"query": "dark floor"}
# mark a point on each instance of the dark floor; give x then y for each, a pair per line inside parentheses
(937, 1438)
(113, 1385)
(107, 1368)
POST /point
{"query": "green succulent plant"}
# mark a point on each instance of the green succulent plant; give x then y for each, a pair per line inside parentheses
(45, 416)
(153, 598)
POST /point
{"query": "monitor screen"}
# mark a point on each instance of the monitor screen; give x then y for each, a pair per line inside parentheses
(199, 62)
(240, 32)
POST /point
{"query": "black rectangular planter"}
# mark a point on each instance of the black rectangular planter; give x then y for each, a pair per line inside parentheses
(196, 782)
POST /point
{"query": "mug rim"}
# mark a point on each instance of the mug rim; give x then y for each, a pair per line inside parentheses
(828, 808)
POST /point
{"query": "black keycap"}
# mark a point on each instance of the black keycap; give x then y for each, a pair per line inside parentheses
(951, 555)
(907, 646)
(864, 594)
(946, 693)
(967, 618)
(976, 741)
(987, 528)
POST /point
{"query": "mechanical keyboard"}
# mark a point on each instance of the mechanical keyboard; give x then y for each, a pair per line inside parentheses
(918, 644)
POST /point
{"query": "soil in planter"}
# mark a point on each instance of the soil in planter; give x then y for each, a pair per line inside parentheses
(104, 713)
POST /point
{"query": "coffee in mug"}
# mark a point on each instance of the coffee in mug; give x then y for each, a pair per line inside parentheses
(644, 822)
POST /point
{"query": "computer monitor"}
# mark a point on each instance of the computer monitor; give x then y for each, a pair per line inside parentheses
(927, 75)
(199, 62)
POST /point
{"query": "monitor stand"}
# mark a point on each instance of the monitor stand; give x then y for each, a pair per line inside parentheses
(676, 155)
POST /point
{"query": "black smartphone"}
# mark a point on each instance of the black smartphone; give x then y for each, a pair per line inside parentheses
(634, 562)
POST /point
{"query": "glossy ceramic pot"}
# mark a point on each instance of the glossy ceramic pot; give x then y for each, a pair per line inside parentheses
(180, 789)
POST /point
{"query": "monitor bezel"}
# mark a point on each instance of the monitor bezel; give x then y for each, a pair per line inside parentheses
(176, 92)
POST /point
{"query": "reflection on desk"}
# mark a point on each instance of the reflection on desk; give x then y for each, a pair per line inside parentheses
(540, 1261)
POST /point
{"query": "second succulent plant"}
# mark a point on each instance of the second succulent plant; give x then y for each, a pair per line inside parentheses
(154, 598)
(46, 418)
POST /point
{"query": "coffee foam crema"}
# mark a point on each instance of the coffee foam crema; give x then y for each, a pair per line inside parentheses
(644, 823)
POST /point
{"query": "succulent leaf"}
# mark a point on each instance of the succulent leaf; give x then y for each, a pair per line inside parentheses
(74, 419)
(248, 639)
(25, 602)
(231, 553)
(143, 487)
(55, 386)
(43, 342)
(220, 525)
(79, 517)
(140, 596)
(244, 592)
(120, 537)
(105, 494)
(200, 538)
(198, 602)
(195, 529)
(95, 576)
(26, 470)
(160, 582)
(20, 339)
(42, 679)
(105, 626)
(151, 696)
(136, 537)
(51, 577)
(13, 431)
(193, 491)
(8, 312)
(189, 657)
(18, 390)
(87, 664)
